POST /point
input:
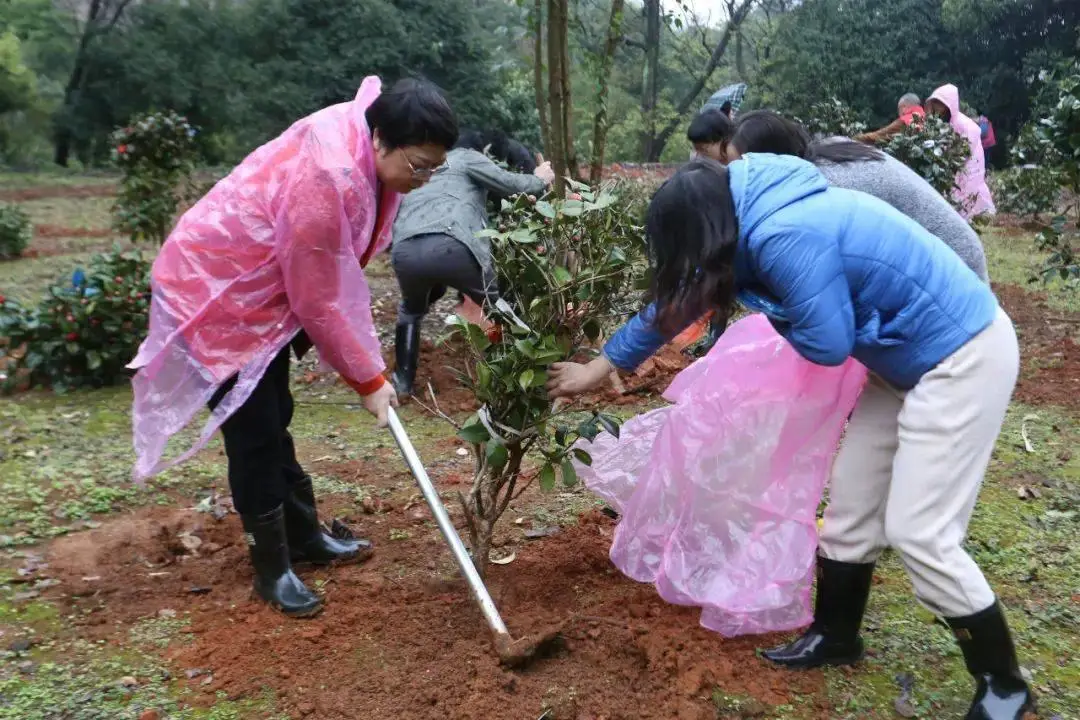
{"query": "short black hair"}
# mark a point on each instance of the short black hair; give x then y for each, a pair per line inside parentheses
(710, 126)
(693, 233)
(765, 131)
(413, 112)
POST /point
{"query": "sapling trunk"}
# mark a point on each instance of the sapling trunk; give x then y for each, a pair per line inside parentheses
(492, 490)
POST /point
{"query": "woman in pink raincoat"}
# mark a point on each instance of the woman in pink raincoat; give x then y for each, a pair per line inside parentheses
(971, 186)
(270, 262)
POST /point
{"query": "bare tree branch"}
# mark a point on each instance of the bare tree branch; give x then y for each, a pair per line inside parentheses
(737, 14)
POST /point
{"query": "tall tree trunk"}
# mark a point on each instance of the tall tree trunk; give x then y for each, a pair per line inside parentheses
(101, 17)
(737, 14)
(556, 27)
(650, 82)
(600, 124)
(567, 94)
(538, 74)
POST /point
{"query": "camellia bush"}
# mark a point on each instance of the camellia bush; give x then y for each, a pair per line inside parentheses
(934, 150)
(568, 268)
(16, 230)
(156, 154)
(834, 117)
(85, 330)
(1052, 142)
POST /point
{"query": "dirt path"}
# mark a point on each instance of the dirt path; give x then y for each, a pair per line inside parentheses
(1048, 350)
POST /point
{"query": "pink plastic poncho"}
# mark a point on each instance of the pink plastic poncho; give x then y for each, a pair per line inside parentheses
(718, 492)
(277, 246)
(971, 188)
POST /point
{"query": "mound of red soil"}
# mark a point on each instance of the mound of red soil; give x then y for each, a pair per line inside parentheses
(401, 637)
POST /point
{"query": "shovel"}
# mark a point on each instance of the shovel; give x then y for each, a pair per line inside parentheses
(512, 653)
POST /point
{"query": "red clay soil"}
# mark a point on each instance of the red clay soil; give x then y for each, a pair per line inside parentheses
(401, 637)
(57, 191)
(1049, 354)
(59, 231)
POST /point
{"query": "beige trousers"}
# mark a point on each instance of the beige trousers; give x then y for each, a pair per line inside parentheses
(910, 467)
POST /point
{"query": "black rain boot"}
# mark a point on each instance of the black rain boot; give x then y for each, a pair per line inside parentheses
(407, 355)
(990, 655)
(833, 637)
(308, 542)
(275, 581)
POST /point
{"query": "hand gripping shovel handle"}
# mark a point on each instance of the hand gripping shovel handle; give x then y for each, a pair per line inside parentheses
(461, 555)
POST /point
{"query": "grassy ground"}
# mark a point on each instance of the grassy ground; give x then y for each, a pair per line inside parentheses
(1012, 258)
(64, 464)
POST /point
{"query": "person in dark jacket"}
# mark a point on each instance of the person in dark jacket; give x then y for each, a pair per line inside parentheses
(435, 243)
(841, 275)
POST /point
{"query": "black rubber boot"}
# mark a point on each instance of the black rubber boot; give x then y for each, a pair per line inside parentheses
(985, 640)
(275, 581)
(833, 637)
(407, 355)
(308, 541)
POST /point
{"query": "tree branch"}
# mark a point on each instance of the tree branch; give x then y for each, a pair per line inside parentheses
(735, 20)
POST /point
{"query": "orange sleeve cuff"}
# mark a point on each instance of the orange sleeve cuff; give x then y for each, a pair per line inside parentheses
(366, 388)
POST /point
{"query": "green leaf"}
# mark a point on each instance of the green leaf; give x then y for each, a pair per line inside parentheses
(526, 379)
(497, 455)
(573, 208)
(562, 275)
(547, 477)
(610, 423)
(569, 474)
(591, 328)
(73, 348)
(93, 360)
(483, 376)
(583, 457)
(544, 208)
(474, 434)
(526, 348)
(477, 338)
(588, 429)
(523, 237)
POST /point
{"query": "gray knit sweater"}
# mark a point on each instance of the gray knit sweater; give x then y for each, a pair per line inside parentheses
(897, 184)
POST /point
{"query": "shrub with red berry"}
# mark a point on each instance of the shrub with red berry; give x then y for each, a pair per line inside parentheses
(85, 330)
(156, 153)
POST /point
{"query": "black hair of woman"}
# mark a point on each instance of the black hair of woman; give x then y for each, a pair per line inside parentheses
(693, 233)
(710, 131)
(710, 126)
(412, 112)
(765, 131)
(500, 147)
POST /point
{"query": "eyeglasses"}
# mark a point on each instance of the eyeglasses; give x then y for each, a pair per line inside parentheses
(422, 173)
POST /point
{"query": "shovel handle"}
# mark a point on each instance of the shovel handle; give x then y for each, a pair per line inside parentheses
(446, 527)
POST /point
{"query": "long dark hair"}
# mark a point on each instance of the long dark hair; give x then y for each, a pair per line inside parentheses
(764, 131)
(499, 146)
(693, 233)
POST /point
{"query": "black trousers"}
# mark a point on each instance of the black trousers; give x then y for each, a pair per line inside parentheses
(426, 265)
(262, 457)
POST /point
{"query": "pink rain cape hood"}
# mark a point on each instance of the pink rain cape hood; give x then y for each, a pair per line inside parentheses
(718, 492)
(276, 246)
(971, 188)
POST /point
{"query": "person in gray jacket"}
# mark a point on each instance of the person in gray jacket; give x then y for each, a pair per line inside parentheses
(855, 166)
(435, 244)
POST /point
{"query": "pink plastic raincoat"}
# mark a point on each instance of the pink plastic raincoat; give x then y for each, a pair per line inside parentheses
(277, 246)
(971, 187)
(718, 492)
